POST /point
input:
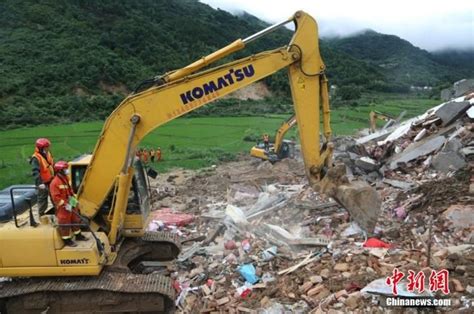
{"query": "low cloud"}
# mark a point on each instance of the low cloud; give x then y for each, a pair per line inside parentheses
(431, 25)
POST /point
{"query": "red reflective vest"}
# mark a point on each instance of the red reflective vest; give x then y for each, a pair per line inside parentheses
(46, 166)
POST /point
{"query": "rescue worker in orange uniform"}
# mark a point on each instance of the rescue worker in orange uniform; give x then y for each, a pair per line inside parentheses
(43, 172)
(158, 154)
(266, 141)
(67, 208)
(145, 155)
(152, 155)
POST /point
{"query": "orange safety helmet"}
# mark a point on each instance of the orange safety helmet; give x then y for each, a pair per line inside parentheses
(61, 165)
(42, 143)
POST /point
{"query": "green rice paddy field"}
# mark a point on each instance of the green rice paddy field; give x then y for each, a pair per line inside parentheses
(185, 142)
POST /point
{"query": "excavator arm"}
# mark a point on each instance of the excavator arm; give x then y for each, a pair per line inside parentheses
(374, 115)
(280, 134)
(185, 90)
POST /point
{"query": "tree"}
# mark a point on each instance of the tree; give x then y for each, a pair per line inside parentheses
(349, 92)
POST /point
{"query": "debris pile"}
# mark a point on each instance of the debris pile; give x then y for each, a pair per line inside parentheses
(438, 142)
(257, 239)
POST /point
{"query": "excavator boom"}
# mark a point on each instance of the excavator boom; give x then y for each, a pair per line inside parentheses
(185, 90)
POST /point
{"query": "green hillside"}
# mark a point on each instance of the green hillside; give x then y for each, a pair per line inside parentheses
(463, 60)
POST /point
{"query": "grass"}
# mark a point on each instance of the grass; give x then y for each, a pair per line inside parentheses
(186, 142)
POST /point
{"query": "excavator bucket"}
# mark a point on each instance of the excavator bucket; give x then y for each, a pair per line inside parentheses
(358, 197)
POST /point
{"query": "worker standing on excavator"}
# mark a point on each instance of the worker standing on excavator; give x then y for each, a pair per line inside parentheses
(152, 155)
(67, 207)
(145, 155)
(158, 154)
(138, 153)
(266, 141)
(43, 173)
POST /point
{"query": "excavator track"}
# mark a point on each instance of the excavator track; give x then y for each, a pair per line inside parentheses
(153, 246)
(110, 292)
(118, 289)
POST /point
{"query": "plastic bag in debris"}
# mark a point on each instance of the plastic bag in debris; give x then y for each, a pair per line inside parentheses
(267, 277)
(246, 245)
(244, 290)
(264, 201)
(236, 214)
(400, 212)
(269, 253)
(155, 225)
(353, 229)
(248, 272)
(374, 242)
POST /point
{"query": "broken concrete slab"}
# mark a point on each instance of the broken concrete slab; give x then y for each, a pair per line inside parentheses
(453, 145)
(310, 242)
(470, 112)
(452, 110)
(377, 136)
(367, 163)
(417, 150)
(467, 151)
(281, 232)
(400, 184)
(448, 161)
(460, 215)
(403, 129)
(463, 87)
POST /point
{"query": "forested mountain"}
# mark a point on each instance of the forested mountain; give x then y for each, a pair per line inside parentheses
(72, 60)
(461, 60)
(400, 61)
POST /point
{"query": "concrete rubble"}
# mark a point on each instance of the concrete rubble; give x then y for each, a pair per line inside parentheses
(263, 241)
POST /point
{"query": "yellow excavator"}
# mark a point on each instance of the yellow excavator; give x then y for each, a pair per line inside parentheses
(103, 274)
(280, 148)
(376, 115)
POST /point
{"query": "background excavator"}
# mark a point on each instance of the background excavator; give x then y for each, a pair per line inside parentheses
(376, 115)
(390, 121)
(280, 148)
(103, 273)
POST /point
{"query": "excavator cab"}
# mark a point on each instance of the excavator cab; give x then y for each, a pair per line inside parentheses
(138, 205)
